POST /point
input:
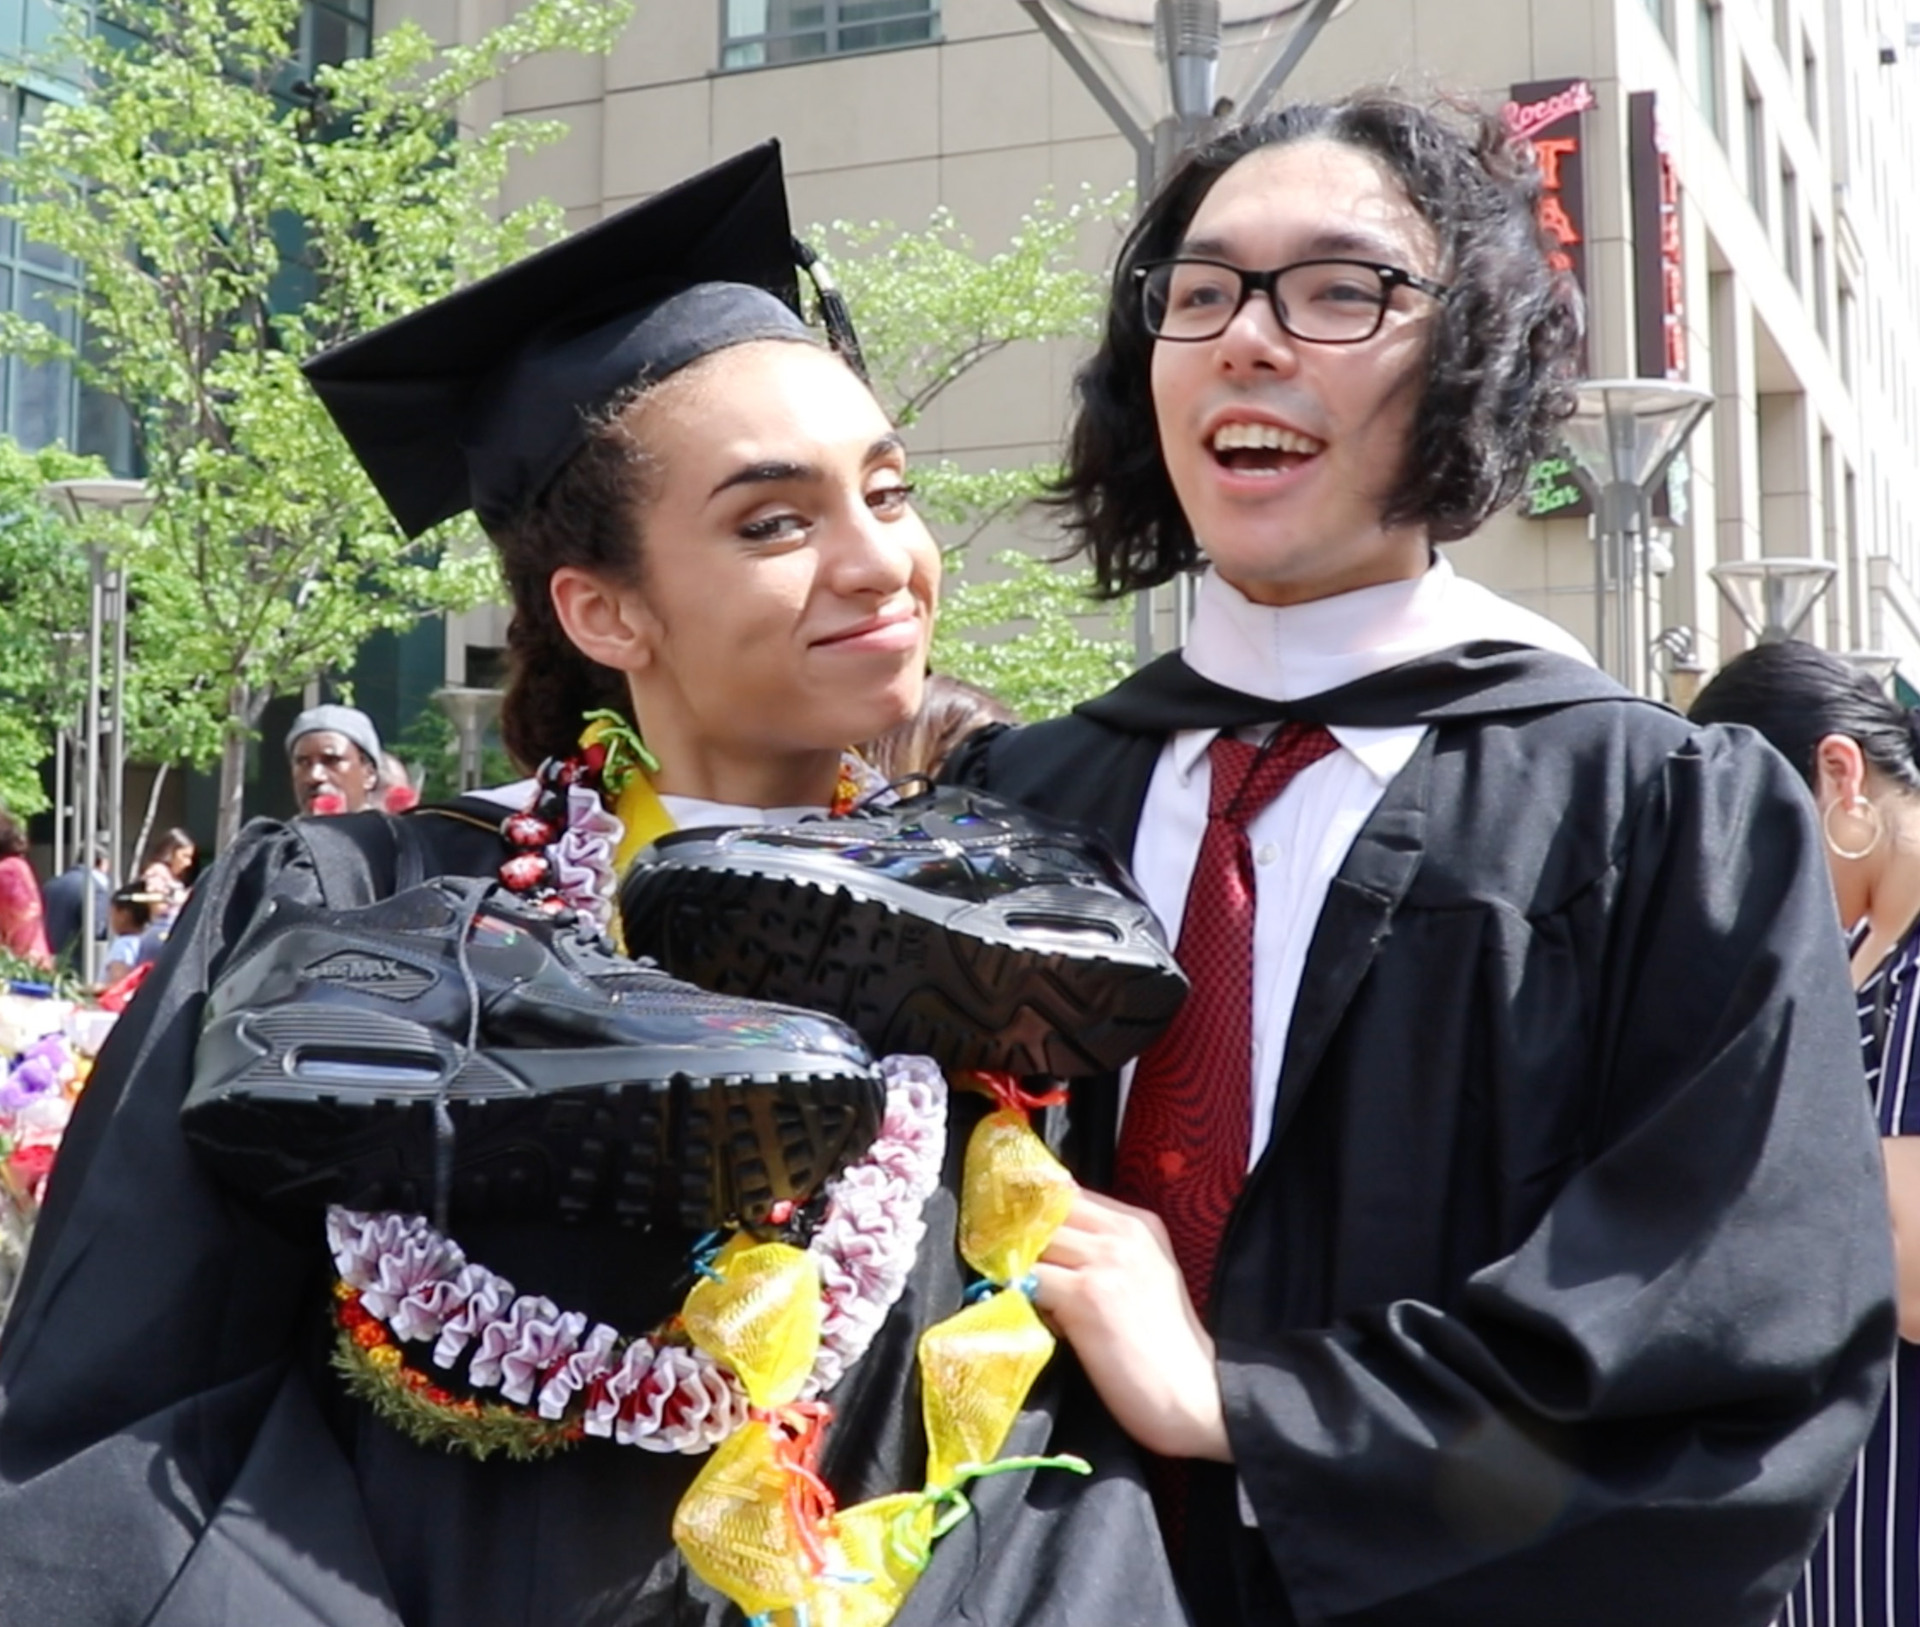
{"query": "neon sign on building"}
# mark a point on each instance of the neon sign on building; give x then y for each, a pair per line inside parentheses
(1549, 116)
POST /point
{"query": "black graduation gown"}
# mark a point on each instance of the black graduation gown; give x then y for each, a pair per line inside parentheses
(1562, 1290)
(174, 1450)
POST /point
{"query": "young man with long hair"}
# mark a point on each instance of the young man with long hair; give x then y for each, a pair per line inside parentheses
(1497, 1236)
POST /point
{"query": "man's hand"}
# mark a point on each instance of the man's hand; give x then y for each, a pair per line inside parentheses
(1111, 1289)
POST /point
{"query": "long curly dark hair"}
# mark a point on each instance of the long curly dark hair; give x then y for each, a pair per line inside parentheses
(1499, 379)
(590, 516)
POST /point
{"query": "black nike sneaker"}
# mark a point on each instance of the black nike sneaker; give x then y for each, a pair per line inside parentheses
(952, 924)
(456, 1039)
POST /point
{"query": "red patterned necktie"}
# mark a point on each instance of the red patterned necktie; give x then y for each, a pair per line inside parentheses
(1189, 1119)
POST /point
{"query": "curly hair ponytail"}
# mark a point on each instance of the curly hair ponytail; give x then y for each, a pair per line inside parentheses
(589, 517)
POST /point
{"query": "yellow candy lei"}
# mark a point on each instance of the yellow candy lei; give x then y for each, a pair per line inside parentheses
(757, 1524)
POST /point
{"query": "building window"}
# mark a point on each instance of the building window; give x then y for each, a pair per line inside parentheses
(764, 33)
(1817, 260)
(38, 404)
(1706, 68)
(1846, 337)
(332, 32)
(1790, 223)
(1756, 134)
(1657, 10)
(28, 27)
(1810, 88)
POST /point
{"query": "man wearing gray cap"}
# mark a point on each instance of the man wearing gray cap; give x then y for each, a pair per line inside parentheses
(335, 753)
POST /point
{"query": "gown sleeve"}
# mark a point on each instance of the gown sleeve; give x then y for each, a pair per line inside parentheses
(1642, 1412)
(146, 1392)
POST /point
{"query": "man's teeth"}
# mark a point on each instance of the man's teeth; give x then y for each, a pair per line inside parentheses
(1264, 438)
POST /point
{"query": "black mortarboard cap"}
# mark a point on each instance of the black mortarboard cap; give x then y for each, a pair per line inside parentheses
(478, 400)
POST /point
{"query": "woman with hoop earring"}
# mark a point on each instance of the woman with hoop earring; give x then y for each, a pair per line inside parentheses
(1859, 753)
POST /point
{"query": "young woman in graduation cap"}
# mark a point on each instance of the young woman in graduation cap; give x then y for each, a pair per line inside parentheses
(705, 524)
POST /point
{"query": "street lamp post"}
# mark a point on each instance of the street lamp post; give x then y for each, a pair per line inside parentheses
(1621, 437)
(79, 501)
(1879, 665)
(1773, 595)
(471, 711)
(1168, 72)
(65, 825)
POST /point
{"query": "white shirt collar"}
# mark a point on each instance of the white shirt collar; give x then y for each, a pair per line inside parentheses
(687, 813)
(691, 813)
(1287, 652)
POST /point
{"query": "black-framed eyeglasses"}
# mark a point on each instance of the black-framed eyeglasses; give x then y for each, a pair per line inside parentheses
(1325, 302)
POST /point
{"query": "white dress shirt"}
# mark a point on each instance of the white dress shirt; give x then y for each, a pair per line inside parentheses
(1301, 839)
(687, 813)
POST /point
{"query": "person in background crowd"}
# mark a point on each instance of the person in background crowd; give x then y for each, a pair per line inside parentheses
(131, 911)
(335, 755)
(64, 901)
(167, 872)
(397, 794)
(1496, 1230)
(1860, 756)
(22, 929)
(950, 710)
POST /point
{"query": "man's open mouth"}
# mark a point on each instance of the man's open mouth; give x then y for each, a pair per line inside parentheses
(1250, 448)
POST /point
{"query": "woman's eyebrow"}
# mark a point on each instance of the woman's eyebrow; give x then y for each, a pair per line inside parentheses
(777, 471)
(774, 471)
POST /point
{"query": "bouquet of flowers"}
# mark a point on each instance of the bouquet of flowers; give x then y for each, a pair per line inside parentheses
(46, 1047)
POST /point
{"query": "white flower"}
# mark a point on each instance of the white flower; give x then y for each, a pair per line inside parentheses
(592, 1360)
(484, 1297)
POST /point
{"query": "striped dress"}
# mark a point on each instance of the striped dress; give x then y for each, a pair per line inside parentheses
(1866, 1570)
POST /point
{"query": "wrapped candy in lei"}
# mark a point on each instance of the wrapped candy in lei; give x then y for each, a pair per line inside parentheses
(758, 1525)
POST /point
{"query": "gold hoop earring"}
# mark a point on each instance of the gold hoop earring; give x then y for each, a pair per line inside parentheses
(1858, 808)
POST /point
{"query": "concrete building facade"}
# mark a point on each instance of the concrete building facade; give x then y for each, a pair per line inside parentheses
(1784, 262)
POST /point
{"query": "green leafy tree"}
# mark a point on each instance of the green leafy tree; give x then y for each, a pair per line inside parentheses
(931, 308)
(43, 619)
(229, 221)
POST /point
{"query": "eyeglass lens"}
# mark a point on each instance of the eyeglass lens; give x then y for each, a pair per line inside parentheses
(1329, 301)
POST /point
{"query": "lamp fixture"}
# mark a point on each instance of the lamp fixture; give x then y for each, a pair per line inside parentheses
(1773, 595)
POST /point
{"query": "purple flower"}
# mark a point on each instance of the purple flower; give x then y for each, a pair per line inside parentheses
(30, 1077)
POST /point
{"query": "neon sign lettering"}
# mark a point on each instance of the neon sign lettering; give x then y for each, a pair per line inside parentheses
(1526, 119)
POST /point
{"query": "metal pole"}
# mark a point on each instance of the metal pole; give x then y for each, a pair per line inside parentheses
(1297, 46)
(122, 862)
(1624, 618)
(59, 801)
(90, 783)
(1597, 535)
(1088, 75)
